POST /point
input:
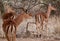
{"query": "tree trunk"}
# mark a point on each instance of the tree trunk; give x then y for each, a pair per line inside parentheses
(1, 7)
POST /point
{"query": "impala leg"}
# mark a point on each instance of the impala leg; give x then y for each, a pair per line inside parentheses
(6, 34)
(14, 37)
(42, 20)
(8, 37)
(42, 25)
(37, 25)
(46, 27)
(14, 34)
(38, 29)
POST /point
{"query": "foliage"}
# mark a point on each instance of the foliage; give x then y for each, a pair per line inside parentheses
(1, 6)
(30, 4)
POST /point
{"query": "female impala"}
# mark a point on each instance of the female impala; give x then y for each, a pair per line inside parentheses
(40, 17)
(43, 16)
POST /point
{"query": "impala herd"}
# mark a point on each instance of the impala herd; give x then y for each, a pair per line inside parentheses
(11, 20)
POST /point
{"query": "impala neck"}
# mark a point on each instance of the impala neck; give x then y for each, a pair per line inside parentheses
(48, 11)
(18, 19)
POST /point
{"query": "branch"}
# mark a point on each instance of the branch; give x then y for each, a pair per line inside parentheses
(1, 6)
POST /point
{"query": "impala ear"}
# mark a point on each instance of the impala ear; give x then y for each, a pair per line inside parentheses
(49, 4)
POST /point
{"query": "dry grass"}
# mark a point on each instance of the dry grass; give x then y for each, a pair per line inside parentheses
(53, 28)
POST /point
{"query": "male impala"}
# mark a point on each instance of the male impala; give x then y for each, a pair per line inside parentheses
(9, 22)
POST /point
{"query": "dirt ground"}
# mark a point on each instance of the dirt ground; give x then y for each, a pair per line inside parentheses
(29, 39)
